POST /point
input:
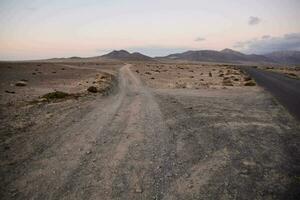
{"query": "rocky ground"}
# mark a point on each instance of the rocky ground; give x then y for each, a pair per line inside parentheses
(192, 76)
(167, 131)
(291, 72)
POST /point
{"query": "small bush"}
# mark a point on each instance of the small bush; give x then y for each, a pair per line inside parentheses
(247, 78)
(21, 83)
(10, 92)
(92, 89)
(55, 95)
(250, 83)
(292, 74)
(227, 82)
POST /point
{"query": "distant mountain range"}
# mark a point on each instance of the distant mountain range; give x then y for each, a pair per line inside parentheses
(231, 56)
(226, 56)
(285, 57)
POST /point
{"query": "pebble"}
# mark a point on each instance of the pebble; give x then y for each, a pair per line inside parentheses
(88, 152)
(138, 189)
(21, 83)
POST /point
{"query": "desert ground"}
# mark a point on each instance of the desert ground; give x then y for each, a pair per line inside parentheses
(137, 130)
(291, 72)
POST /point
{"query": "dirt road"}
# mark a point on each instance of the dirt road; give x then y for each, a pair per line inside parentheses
(119, 148)
(163, 144)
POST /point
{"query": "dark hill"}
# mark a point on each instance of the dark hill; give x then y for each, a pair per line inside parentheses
(226, 55)
(125, 55)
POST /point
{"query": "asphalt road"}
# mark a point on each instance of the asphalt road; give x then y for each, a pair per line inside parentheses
(285, 89)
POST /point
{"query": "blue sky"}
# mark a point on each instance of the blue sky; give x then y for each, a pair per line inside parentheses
(61, 28)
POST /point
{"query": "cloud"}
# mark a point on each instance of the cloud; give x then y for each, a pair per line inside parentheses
(254, 21)
(267, 44)
(31, 8)
(199, 39)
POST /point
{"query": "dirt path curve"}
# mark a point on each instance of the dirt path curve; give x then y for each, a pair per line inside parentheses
(119, 150)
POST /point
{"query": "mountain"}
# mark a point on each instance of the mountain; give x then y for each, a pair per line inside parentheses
(232, 52)
(285, 57)
(125, 55)
(223, 56)
(226, 55)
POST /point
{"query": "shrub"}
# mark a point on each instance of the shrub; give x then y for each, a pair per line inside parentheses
(227, 82)
(55, 95)
(21, 83)
(92, 89)
(250, 83)
(292, 74)
(247, 78)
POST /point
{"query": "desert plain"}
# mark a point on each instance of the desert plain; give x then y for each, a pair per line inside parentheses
(143, 130)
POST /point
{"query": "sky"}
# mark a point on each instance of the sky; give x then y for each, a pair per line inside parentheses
(36, 29)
